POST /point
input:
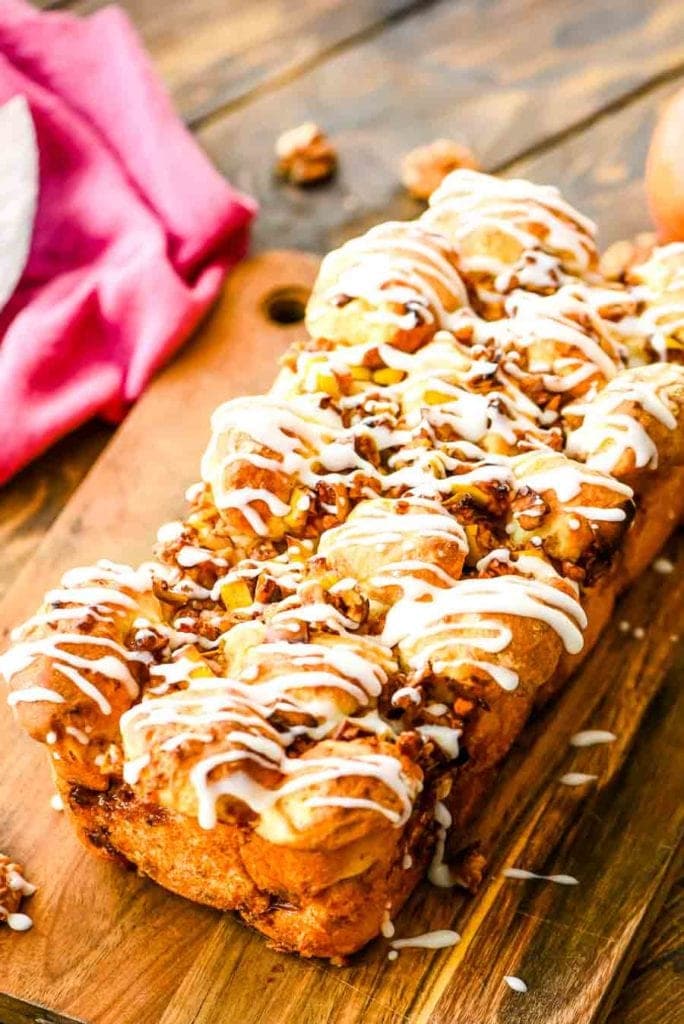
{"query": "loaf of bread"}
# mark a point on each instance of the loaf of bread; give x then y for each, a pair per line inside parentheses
(390, 560)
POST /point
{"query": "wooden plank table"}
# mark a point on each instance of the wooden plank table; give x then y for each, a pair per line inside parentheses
(561, 91)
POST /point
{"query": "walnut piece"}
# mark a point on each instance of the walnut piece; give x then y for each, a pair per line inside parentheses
(469, 868)
(13, 888)
(621, 256)
(424, 168)
(305, 155)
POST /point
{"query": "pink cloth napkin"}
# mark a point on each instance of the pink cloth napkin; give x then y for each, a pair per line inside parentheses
(134, 232)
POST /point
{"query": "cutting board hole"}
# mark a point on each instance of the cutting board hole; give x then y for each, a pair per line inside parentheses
(286, 305)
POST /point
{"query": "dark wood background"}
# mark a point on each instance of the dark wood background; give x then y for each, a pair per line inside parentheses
(564, 91)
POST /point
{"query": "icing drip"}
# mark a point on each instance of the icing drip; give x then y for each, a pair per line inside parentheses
(522, 873)
(517, 984)
(19, 922)
(438, 872)
(589, 737)
(576, 778)
(387, 927)
(429, 940)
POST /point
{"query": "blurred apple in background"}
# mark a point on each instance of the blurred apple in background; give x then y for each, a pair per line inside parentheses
(665, 171)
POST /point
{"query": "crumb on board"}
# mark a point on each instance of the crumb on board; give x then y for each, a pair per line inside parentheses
(305, 155)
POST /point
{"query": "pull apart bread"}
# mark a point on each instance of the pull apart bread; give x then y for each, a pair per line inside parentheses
(392, 557)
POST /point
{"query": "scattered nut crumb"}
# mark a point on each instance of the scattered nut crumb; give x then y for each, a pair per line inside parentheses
(13, 888)
(621, 256)
(664, 566)
(468, 869)
(624, 626)
(425, 167)
(305, 155)
(639, 632)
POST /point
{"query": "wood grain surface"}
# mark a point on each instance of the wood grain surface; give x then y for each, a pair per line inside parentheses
(213, 55)
(113, 948)
(572, 85)
(503, 78)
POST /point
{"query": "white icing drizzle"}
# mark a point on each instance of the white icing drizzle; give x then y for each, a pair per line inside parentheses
(428, 632)
(408, 692)
(104, 592)
(610, 430)
(17, 883)
(662, 293)
(439, 939)
(387, 926)
(468, 204)
(78, 734)
(517, 984)
(246, 709)
(294, 432)
(31, 694)
(188, 557)
(438, 872)
(19, 922)
(170, 532)
(567, 480)
(379, 522)
(576, 778)
(444, 737)
(590, 737)
(71, 665)
(132, 770)
(395, 263)
(523, 874)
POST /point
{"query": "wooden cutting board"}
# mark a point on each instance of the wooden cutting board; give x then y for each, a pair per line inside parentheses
(112, 948)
